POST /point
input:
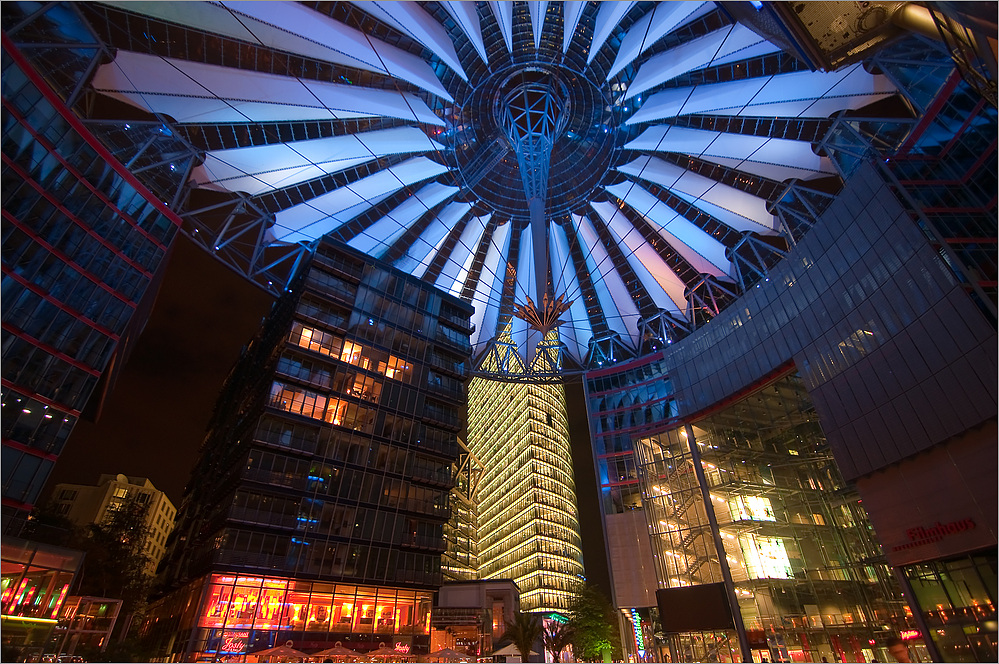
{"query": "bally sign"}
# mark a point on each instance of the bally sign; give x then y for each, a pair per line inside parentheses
(920, 536)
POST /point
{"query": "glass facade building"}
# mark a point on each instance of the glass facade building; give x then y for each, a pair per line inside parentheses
(82, 244)
(329, 460)
(796, 549)
(528, 519)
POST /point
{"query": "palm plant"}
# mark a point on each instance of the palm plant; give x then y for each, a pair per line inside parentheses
(557, 637)
(523, 631)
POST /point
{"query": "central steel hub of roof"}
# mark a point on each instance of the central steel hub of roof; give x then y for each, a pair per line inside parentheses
(534, 130)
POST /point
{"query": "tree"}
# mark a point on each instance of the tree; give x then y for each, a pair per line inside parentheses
(594, 625)
(524, 631)
(557, 637)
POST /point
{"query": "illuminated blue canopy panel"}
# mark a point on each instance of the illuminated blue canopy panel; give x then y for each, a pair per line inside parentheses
(575, 170)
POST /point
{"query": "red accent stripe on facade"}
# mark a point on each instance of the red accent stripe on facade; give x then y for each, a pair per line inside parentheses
(74, 122)
(51, 350)
(39, 398)
(66, 259)
(34, 288)
(16, 504)
(47, 195)
(79, 178)
(931, 112)
(645, 359)
(33, 451)
(763, 381)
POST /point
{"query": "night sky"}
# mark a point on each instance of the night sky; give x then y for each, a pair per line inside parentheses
(155, 419)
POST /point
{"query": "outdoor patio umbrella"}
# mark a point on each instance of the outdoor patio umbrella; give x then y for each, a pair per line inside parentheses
(279, 653)
(448, 654)
(509, 650)
(384, 652)
(338, 651)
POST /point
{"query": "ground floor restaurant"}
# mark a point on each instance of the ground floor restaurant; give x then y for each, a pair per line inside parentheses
(227, 617)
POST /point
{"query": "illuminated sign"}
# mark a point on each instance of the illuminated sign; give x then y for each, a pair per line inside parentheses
(402, 647)
(636, 623)
(233, 642)
(909, 634)
(920, 536)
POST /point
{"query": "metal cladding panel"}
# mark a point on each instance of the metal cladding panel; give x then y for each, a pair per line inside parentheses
(703, 252)
(733, 41)
(663, 19)
(317, 217)
(376, 239)
(661, 282)
(619, 309)
(733, 207)
(410, 18)
(775, 158)
(421, 252)
(198, 92)
(798, 94)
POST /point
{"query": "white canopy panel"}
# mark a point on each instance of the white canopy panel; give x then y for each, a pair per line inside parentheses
(704, 253)
(261, 168)
(733, 207)
(408, 17)
(455, 271)
(576, 332)
(307, 221)
(197, 92)
(722, 45)
(663, 19)
(662, 284)
(503, 11)
(608, 16)
(465, 16)
(619, 309)
(295, 28)
(422, 251)
(799, 94)
(774, 158)
(571, 11)
(487, 293)
(525, 287)
(538, 10)
(377, 238)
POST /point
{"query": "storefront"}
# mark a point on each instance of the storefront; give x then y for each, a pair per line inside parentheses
(241, 614)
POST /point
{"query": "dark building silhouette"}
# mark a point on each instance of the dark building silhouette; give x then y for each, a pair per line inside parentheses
(316, 510)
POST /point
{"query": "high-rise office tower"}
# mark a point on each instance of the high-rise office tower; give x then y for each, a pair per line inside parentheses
(316, 510)
(528, 519)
